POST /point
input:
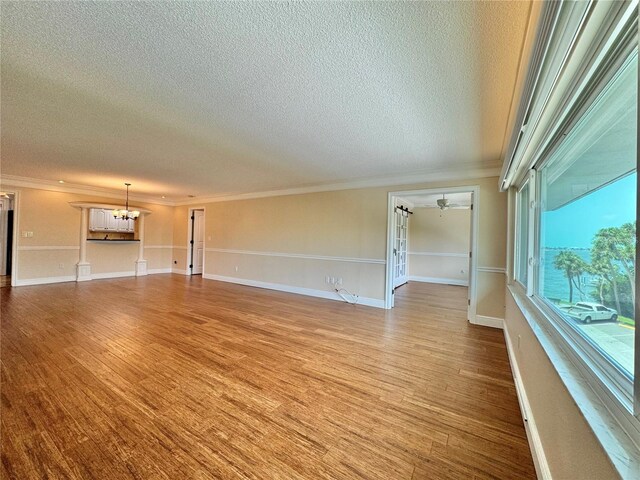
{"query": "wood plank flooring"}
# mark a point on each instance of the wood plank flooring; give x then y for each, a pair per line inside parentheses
(171, 377)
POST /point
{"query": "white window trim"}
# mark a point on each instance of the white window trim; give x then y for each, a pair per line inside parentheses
(518, 222)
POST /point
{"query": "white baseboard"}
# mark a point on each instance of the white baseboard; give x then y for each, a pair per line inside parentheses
(311, 292)
(488, 321)
(535, 443)
(94, 276)
(179, 271)
(446, 281)
(153, 271)
(100, 276)
(44, 280)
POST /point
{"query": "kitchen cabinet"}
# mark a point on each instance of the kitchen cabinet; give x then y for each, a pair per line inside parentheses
(102, 220)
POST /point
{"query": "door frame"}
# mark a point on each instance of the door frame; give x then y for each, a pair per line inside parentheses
(188, 268)
(473, 272)
(16, 235)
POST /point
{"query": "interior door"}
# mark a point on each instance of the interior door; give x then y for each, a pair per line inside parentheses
(197, 255)
(471, 281)
(400, 248)
(4, 220)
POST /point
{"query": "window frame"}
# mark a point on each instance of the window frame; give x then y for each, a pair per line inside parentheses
(518, 234)
(578, 48)
(619, 392)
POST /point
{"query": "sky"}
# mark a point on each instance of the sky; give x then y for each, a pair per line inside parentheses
(575, 224)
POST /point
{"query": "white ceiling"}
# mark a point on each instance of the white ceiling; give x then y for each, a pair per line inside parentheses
(214, 98)
(462, 199)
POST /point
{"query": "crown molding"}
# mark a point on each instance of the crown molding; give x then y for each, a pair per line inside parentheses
(469, 173)
(53, 186)
(422, 177)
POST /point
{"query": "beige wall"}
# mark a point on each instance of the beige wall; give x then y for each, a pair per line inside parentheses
(439, 244)
(53, 251)
(180, 238)
(350, 225)
(570, 447)
(300, 239)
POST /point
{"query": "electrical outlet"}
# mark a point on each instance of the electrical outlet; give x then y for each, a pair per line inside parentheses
(61, 266)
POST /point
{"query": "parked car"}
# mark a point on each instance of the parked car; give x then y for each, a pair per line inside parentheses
(586, 312)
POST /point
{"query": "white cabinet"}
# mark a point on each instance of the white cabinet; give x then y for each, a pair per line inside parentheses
(112, 223)
(102, 220)
(98, 219)
(124, 225)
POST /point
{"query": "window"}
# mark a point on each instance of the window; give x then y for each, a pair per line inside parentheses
(522, 234)
(587, 223)
(573, 158)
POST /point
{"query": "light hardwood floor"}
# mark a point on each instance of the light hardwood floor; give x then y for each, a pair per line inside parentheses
(179, 378)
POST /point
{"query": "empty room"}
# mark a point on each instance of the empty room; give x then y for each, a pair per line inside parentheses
(319, 240)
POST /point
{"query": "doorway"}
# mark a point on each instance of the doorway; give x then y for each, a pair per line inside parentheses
(7, 238)
(419, 254)
(401, 227)
(196, 241)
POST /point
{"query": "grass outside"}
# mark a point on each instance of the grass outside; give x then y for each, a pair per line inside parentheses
(626, 321)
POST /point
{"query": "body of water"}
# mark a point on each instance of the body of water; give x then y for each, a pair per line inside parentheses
(555, 284)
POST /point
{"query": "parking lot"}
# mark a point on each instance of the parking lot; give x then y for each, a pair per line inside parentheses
(615, 339)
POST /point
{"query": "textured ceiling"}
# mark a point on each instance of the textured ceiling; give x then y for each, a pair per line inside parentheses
(211, 98)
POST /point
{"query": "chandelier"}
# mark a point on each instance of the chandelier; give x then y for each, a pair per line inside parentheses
(125, 213)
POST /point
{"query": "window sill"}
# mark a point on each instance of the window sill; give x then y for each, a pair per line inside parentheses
(595, 404)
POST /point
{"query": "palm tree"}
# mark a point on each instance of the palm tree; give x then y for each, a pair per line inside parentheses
(607, 272)
(615, 247)
(572, 266)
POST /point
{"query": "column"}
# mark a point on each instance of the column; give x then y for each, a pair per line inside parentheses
(141, 263)
(83, 268)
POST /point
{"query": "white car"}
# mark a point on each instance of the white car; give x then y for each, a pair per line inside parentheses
(586, 312)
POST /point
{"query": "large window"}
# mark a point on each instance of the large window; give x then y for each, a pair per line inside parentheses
(587, 223)
(572, 165)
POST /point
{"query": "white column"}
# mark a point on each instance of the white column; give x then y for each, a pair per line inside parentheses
(141, 263)
(83, 268)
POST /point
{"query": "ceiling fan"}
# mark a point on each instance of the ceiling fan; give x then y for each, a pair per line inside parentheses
(443, 203)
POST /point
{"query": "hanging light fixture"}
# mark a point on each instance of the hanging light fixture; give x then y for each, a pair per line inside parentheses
(443, 203)
(125, 213)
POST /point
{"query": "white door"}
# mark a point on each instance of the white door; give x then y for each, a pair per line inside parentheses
(400, 248)
(471, 281)
(197, 251)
